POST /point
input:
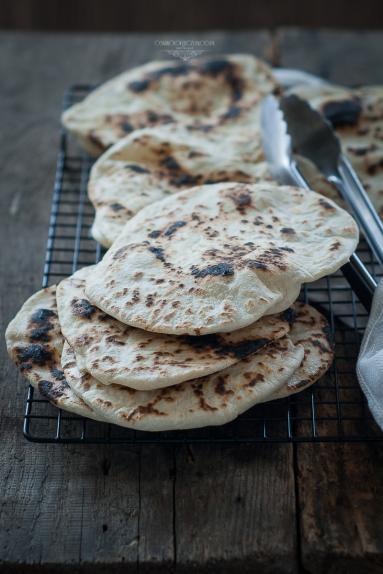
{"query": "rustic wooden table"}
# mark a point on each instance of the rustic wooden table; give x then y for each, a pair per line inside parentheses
(267, 508)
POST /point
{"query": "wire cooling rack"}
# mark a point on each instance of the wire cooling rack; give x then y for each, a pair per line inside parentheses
(332, 410)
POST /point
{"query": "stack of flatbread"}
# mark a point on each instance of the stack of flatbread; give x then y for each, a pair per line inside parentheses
(168, 126)
(191, 317)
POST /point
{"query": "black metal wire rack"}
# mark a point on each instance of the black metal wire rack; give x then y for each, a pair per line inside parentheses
(332, 410)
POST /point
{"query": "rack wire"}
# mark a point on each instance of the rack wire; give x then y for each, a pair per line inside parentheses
(332, 410)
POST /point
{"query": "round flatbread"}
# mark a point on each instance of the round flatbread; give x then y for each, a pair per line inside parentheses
(153, 163)
(357, 116)
(201, 94)
(113, 352)
(34, 343)
(217, 258)
(212, 400)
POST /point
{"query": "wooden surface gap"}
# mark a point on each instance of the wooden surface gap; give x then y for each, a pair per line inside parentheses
(298, 510)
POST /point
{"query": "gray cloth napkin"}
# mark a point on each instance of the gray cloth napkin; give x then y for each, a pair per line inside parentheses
(369, 367)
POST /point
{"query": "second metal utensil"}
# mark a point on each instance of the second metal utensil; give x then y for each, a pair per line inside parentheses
(313, 137)
(277, 147)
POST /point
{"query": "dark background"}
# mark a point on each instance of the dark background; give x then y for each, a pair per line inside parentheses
(174, 15)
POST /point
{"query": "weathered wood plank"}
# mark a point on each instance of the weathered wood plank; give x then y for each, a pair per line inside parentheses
(235, 509)
(156, 551)
(341, 502)
(339, 494)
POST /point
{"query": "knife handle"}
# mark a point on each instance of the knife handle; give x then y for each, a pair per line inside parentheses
(351, 189)
(355, 272)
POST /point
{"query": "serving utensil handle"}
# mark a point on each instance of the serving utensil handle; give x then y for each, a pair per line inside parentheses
(356, 273)
(351, 189)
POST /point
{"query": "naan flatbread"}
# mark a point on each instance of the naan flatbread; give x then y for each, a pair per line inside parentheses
(357, 116)
(221, 397)
(34, 343)
(212, 400)
(113, 352)
(153, 163)
(217, 258)
(202, 94)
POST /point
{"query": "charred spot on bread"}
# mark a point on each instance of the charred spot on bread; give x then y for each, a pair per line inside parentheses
(40, 325)
(139, 86)
(158, 252)
(173, 227)
(342, 113)
(170, 163)
(180, 70)
(136, 168)
(33, 354)
(220, 269)
(82, 308)
(51, 390)
(116, 206)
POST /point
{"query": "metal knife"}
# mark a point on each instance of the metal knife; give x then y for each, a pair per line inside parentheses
(278, 151)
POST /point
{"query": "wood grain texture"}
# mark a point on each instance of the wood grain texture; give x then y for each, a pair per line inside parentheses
(119, 509)
(231, 498)
(340, 502)
(157, 552)
(110, 509)
(339, 492)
